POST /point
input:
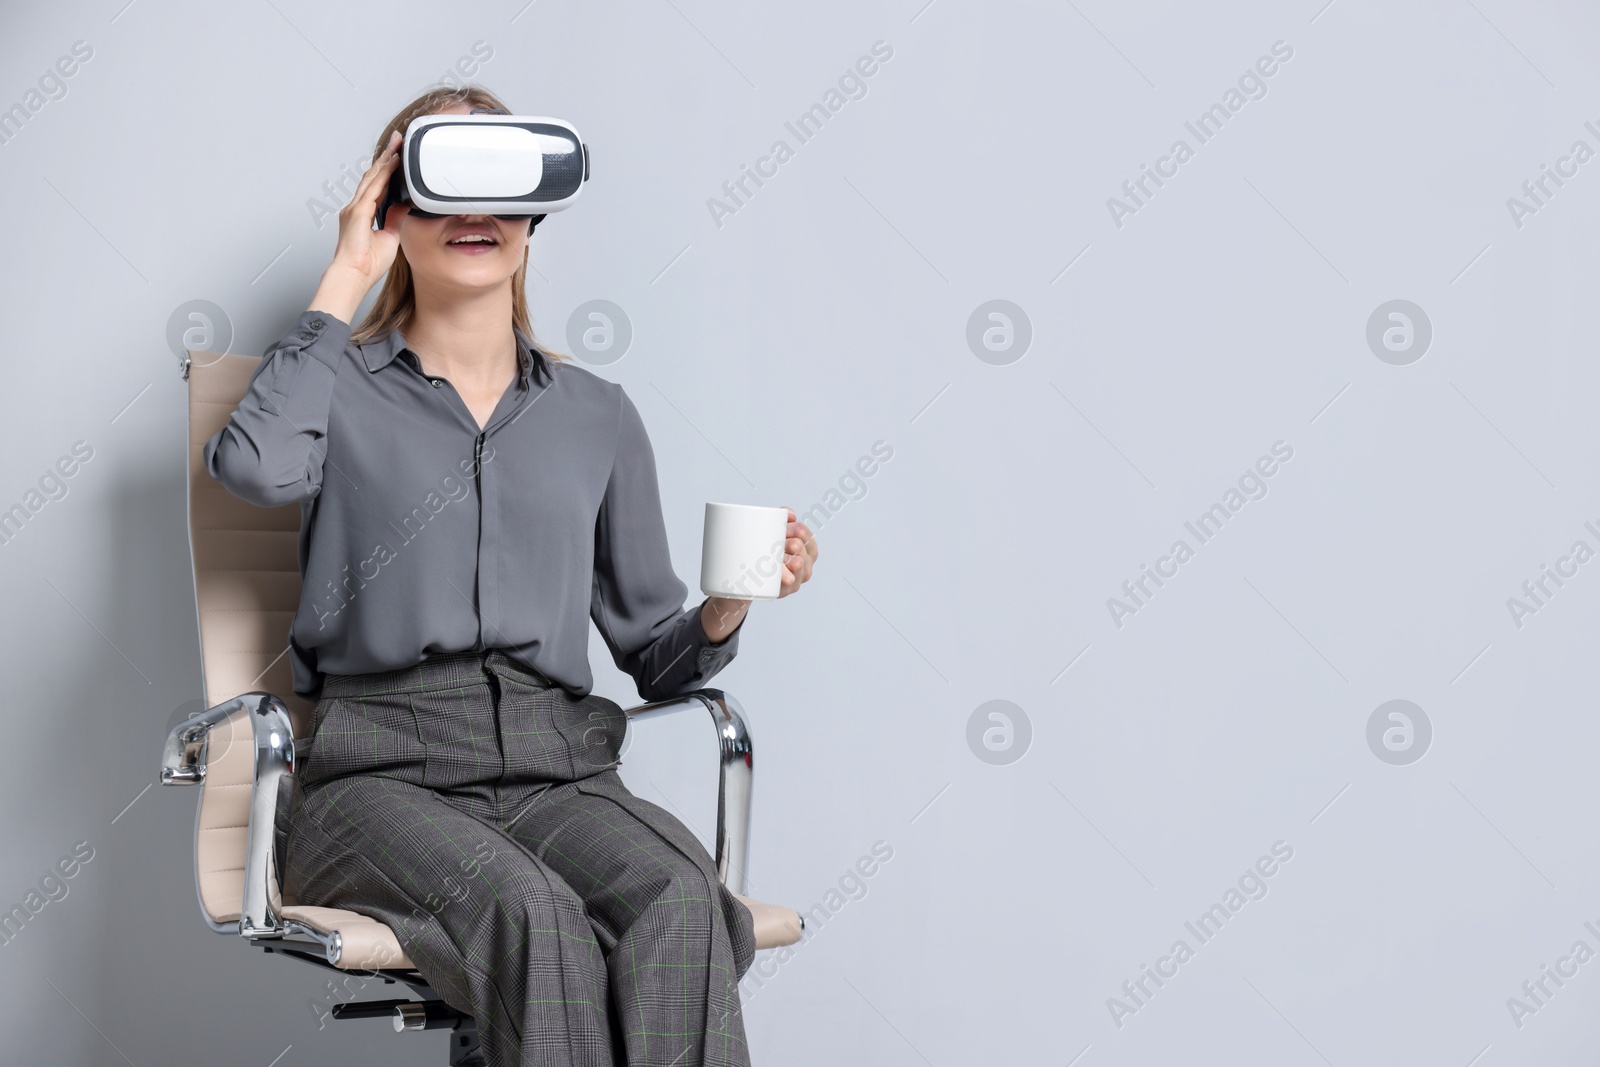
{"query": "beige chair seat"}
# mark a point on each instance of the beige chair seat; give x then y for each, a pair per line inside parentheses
(368, 943)
(776, 925)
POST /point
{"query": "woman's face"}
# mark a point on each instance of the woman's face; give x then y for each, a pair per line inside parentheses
(442, 256)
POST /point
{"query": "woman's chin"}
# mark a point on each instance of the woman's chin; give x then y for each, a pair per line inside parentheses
(479, 272)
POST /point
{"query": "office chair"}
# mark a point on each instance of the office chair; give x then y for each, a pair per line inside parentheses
(241, 752)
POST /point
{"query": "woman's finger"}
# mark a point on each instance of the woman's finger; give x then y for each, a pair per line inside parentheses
(803, 532)
(799, 566)
(372, 182)
(367, 251)
(377, 176)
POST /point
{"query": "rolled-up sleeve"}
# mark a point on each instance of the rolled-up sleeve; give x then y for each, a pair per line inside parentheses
(270, 452)
(637, 598)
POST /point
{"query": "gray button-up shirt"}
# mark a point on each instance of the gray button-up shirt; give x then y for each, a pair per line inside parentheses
(421, 533)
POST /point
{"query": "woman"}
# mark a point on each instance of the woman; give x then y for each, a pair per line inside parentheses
(469, 503)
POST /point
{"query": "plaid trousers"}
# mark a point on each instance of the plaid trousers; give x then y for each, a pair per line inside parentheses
(474, 807)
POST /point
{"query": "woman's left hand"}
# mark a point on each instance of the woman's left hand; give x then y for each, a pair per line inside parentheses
(800, 555)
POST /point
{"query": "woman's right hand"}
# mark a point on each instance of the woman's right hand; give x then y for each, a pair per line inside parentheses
(363, 254)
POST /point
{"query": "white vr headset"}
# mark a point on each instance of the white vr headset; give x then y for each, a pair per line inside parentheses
(487, 162)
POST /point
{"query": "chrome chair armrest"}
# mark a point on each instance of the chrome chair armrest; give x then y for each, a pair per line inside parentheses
(183, 757)
(183, 762)
(735, 765)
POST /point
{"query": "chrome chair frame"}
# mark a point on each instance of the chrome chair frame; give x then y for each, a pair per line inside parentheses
(183, 762)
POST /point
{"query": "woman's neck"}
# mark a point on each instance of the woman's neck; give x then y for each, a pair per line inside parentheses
(465, 338)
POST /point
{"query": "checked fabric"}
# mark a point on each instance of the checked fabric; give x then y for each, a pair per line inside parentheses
(474, 807)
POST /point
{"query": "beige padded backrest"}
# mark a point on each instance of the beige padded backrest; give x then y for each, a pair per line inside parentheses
(247, 585)
(247, 577)
(219, 845)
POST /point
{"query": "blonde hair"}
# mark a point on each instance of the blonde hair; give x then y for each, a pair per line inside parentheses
(397, 300)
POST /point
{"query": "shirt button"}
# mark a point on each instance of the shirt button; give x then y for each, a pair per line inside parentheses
(316, 324)
(437, 382)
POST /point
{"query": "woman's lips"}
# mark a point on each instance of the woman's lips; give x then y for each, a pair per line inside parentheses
(473, 248)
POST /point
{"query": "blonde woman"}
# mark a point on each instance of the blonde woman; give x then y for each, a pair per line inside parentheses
(469, 503)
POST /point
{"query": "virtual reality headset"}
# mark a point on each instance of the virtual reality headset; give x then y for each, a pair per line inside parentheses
(487, 163)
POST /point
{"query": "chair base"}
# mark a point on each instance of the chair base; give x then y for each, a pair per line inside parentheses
(312, 954)
(465, 1050)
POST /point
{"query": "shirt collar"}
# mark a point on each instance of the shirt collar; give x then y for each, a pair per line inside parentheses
(380, 352)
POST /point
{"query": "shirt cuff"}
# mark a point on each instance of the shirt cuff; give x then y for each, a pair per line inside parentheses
(322, 336)
(712, 657)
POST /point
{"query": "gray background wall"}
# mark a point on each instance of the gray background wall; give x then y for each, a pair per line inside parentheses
(1150, 764)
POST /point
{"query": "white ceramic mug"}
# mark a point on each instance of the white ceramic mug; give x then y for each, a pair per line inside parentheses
(742, 554)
